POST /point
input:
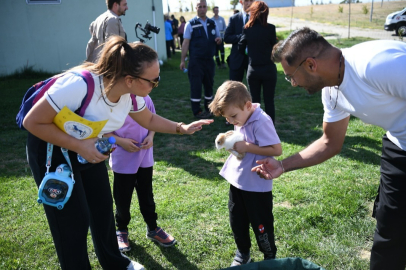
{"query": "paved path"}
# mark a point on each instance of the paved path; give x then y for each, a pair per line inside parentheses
(333, 29)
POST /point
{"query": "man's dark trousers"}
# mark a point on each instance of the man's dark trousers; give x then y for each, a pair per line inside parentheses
(389, 248)
(201, 72)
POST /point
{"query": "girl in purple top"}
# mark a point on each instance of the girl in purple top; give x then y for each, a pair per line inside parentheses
(250, 197)
(132, 163)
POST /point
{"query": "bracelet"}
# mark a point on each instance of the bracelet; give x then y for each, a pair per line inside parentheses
(178, 128)
(283, 169)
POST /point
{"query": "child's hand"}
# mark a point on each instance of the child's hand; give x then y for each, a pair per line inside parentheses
(147, 143)
(129, 145)
(241, 147)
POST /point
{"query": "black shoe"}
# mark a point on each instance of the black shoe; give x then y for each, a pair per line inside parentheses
(200, 115)
(241, 258)
(204, 115)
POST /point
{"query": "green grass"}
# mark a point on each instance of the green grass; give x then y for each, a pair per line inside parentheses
(321, 213)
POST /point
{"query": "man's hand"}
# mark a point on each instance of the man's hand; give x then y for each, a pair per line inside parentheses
(269, 168)
(182, 65)
(218, 40)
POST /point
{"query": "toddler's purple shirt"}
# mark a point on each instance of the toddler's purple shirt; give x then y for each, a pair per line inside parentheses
(259, 130)
(125, 162)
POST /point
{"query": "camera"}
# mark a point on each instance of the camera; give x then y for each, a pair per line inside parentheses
(147, 30)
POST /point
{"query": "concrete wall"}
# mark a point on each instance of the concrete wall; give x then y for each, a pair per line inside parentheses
(53, 37)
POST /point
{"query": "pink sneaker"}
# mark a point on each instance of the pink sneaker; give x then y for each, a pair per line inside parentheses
(122, 239)
(161, 237)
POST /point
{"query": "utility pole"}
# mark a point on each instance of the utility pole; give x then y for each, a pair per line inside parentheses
(372, 10)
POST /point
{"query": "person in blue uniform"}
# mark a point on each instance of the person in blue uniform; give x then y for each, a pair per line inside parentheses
(200, 38)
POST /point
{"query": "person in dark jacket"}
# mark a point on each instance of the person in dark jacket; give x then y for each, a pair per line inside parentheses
(257, 40)
(237, 62)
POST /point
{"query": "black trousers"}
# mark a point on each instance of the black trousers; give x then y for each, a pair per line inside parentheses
(263, 77)
(123, 188)
(255, 209)
(389, 248)
(219, 49)
(168, 48)
(201, 72)
(90, 204)
(237, 74)
(181, 39)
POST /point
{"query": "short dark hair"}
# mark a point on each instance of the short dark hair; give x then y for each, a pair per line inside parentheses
(110, 3)
(301, 43)
(215, 7)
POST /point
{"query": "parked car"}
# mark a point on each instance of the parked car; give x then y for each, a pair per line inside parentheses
(396, 21)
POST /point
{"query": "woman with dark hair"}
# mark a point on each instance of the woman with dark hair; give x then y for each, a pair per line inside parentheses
(123, 71)
(257, 40)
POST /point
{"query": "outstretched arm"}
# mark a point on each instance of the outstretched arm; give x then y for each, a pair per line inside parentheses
(327, 146)
(157, 123)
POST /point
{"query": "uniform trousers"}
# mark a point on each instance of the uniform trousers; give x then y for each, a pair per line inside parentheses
(123, 188)
(263, 77)
(90, 204)
(389, 247)
(252, 208)
(201, 72)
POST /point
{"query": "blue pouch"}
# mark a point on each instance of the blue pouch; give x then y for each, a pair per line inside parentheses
(56, 187)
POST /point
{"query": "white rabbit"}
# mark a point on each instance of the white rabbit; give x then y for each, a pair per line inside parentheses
(227, 141)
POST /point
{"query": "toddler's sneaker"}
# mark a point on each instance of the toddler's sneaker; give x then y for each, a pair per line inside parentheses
(241, 258)
(161, 237)
(135, 266)
(122, 239)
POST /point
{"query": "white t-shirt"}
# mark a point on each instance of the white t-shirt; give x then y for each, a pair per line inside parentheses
(70, 91)
(373, 88)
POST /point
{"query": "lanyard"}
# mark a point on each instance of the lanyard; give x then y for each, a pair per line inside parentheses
(50, 148)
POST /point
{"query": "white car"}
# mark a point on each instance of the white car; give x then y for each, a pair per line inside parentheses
(396, 21)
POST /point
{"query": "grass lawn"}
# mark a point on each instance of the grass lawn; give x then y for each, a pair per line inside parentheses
(322, 213)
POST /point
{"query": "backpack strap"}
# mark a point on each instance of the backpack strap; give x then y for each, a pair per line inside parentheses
(135, 104)
(88, 78)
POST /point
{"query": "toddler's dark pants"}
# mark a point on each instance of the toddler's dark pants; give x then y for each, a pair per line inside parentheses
(255, 209)
(123, 188)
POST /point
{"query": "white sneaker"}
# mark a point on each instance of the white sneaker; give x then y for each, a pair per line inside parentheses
(135, 266)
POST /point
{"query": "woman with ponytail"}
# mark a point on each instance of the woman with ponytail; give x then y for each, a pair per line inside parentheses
(258, 38)
(122, 72)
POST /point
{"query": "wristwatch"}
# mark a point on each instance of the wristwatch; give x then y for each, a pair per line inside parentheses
(178, 128)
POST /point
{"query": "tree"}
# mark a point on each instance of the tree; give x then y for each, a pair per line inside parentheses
(234, 3)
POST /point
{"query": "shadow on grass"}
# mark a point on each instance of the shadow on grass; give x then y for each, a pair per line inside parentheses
(172, 254)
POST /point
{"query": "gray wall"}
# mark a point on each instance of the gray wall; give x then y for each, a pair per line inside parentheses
(53, 37)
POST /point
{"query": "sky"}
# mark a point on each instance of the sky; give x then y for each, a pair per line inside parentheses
(225, 4)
